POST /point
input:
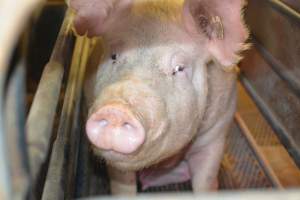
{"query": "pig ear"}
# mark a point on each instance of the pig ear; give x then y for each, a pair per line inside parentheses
(222, 25)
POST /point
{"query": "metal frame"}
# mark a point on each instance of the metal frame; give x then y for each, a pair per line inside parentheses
(273, 120)
(271, 61)
(285, 9)
(245, 195)
(14, 179)
(45, 104)
(62, 167)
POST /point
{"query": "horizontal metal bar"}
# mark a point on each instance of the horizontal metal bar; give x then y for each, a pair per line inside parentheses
(246, 195)
(275, 123)
(290, 78)
(285, 9)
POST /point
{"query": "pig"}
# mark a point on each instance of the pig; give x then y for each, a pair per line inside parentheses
(163, 95)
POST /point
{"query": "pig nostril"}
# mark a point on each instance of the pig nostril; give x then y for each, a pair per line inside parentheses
(128, 126)
(115, 129)
(103, 123)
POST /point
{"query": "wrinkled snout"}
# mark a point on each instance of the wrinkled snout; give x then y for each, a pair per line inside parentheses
(114, 127)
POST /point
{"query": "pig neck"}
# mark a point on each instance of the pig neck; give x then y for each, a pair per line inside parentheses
(221, 94)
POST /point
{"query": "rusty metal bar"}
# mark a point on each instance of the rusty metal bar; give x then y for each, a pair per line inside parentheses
(46, 99)
(259, 155)
(62, 165)
(285, 9)
(276, 124)
(292, 81)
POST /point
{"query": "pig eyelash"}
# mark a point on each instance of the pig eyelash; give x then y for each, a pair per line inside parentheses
(178, 68)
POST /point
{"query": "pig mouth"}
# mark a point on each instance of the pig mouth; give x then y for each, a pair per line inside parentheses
(126, 162)
(123, 162)
(136, 163)
(148, 154)
(151, 155)
(129, 162)
(127, 148)
(155, 150)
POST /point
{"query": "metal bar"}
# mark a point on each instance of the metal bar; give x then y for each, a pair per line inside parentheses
(5, 181)
(13, 14)
(64, 38)
(259, 154)
(15, 123)
(45, 103)
(280, 69)
(84, 172)
(76, 128)
(249, 195)
(61, 164)
(285, 9)
(275, 123)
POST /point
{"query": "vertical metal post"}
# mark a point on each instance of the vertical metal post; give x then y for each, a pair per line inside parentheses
(44, 106)
(64, 152)
(14, 112)
(13, 13)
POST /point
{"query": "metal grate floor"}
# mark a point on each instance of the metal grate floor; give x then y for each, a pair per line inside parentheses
(176, 187)
(240, 168)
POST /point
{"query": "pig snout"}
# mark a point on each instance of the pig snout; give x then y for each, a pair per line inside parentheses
(114, 127)
(127, 121)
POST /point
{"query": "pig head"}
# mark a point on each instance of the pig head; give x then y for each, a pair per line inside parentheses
(165, 77)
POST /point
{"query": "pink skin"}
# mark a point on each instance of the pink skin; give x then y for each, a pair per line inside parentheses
(182, 83)
(113, 127)
(91, 13)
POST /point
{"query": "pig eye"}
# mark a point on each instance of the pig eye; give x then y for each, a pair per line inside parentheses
(178, 69)
(114, 56)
